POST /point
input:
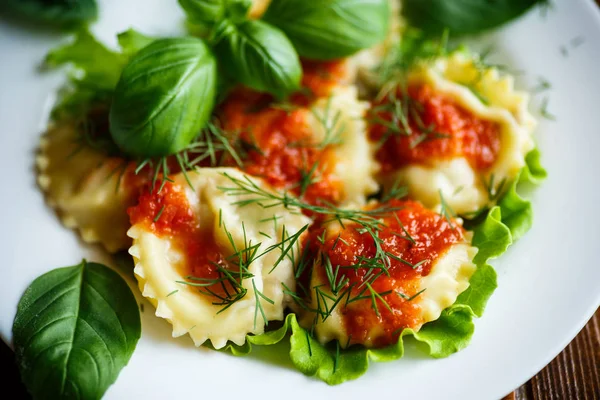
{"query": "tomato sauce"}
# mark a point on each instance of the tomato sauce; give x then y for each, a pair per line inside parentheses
(319, 78)
(279, 142)
(453, 131)
(413, 235)
(168, 214)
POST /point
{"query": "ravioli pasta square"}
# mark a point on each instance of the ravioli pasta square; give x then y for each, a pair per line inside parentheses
(215, 269)
(90, 190)
(476, 138)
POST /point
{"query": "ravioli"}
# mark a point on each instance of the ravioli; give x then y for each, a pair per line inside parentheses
(89, 189)
(212, 266)
(356, 300)
(477, 135)
(354, 163)
(316, 147)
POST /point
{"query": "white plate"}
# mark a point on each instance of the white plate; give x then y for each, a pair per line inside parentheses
(549, 283)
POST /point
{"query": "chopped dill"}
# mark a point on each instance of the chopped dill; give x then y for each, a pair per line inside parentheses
(331, 124)
(259, 307)
(409, 298)
(544, 110)
(542, 86)
(446, 211)
(159, 214)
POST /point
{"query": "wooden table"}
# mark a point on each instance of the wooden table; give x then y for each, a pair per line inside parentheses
(573, 374)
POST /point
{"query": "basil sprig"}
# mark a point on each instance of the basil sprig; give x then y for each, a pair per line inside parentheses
(75, 329)
(461, 17)
(259, 56)
(209, 13)
(164, 97)
(329, 29)
(55, 12)
(264, 55)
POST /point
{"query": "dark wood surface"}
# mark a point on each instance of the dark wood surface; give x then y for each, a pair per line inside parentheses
(573, 374)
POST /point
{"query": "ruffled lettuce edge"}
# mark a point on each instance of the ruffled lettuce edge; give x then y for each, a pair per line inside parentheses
(503, 225)
(94, 69)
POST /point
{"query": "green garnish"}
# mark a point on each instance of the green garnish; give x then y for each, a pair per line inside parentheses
(89, 317)
(464, 17)
(164, 97)
(64, 14)
(325, 30)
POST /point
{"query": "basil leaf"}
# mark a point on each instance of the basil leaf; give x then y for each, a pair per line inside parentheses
(58, 12)
(209, 13)
(164, 97)
(463, 16)
(75, 329)
(259, 56)
(329, 29)
(204, 12)
(132, 41)
(237, 10)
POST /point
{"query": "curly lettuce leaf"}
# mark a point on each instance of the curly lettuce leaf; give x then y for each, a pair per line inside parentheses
(517, 213)
(533, 172)
(132, 41)
(95, 64)
(266, 339)
(452, 331)
(59, 13)
(492, 237)
(481, 286)
(95, 69)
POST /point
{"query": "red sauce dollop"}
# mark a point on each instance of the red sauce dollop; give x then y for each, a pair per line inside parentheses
(462, 133)
(168, 214)
(319, 78)
(432, 235)
(279, 142)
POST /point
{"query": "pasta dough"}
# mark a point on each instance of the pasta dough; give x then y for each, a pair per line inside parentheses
(160, 262)
(354, 154)
(317, 149)
(356, 312)
(489, 97)
(89, 190)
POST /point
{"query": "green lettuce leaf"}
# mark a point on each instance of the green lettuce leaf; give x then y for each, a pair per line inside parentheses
(59, 13)
(452, 331)
(132, 41)
(266, 339)
(95, 69)
(517, 213)
(94, 64)
(533, 172)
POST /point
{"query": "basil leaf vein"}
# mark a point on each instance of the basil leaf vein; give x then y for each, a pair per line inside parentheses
(259, 56)
(329, 29)
(164, 97)
(75, 329)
